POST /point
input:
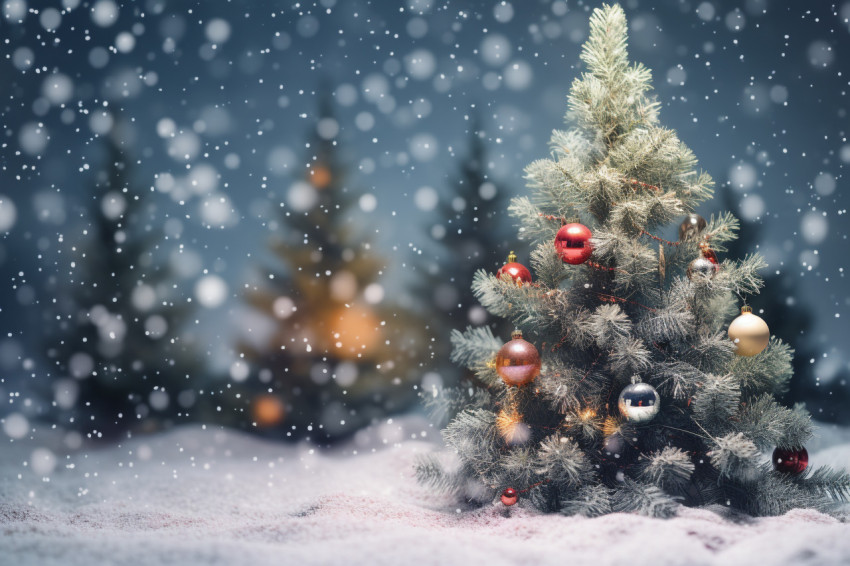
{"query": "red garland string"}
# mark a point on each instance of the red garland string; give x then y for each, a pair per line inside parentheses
(614, 299)
(644, 185)
(560, 219)
(662, 240)
(595, 265)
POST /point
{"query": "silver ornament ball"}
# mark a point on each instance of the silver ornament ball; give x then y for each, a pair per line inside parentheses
(639, 402)
(702, 266)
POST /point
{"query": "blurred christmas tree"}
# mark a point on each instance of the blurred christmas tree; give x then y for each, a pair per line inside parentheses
(626, 388)
(114, 330)
(474, 235)
(340, 355)
(787, 312)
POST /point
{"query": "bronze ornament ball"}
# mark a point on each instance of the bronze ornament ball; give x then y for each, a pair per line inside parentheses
(691, 227)
(749, 333)
(518, 361)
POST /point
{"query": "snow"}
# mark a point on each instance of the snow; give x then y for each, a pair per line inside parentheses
(203, 496)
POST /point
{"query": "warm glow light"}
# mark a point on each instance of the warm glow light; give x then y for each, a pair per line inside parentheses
(354, 331)
(511, 427)
(268, 410)
(320, 177)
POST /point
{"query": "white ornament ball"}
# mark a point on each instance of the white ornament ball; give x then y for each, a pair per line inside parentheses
(749, 333)
(639, 402)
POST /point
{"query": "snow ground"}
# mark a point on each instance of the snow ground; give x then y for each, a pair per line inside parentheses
(196, 496)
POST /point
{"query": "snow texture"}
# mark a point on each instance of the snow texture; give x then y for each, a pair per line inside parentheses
(202, 496)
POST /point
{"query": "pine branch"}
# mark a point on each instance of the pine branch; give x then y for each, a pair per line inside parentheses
(717, 401)
(768, 371)
(828, 482)
(734, 456)
(644, 499)
(443, 404)
(562, 461)
(668, 469)
(589, 501)
(474, 346)
(768, 424)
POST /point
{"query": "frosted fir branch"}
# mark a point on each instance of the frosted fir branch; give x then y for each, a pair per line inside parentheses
(532, 226)
(740, 276)
(573, 144)
(676, 379)
(666, 325)
(629, 356)
(605, 51)
(721, 229)
(558, 384)
(769, 424)
(443, 404)
(589, 501)
(670, 468)
(776, 494)
(709, 353)
(519, 466)
(472, 434)
(829, 482)
(562, 461)
(609, 323)
(769, 371)
(631, 496)
(645, 212)
(548, 267)
(734, 456)
(431, 473)
(508, 300)
(717, 401)
(474, 346)
(555, 187)
(636, 262)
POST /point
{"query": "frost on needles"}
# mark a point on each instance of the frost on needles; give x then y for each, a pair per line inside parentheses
(560, 441)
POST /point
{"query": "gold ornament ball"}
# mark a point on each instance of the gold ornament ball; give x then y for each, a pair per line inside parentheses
(749, 333)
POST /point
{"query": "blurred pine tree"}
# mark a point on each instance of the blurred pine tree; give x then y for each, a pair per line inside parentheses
(474, 233)
(115, 326)
(340, 355)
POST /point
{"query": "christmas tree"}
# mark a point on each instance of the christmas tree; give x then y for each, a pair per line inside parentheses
(340, 355)
(473, 236)
(115, 321)
(625, 388)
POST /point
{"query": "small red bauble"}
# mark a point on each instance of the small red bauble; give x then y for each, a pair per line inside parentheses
(509, 496)
(518, 361)
(518, 272)
(573, 243)
(791, 461)
(709, 254)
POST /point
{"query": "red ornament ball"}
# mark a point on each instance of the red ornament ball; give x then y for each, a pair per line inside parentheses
(790, 461)
(509, 496)
(518, 272)
(573, 243)
(518, 361)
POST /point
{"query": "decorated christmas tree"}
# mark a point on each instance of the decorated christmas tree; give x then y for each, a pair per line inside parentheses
(340, 355)
(625, 386)
(121, 355)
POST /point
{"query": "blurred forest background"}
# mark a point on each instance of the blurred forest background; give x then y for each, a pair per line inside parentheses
(267, 215)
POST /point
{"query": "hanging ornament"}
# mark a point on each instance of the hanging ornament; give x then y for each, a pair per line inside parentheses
(509, 496)
(518, 272)
(662, 263)
(518, 361)
(704, 266)
(573, 243)
(639, 402)
(749, 333)
(790, 461)
(691, 227)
